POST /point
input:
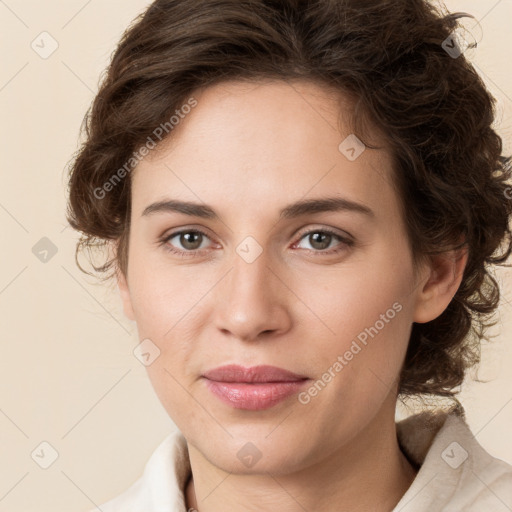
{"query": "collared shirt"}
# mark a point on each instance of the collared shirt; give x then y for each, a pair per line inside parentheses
(455, 473)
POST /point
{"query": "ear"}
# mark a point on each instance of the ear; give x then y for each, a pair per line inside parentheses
(124, 291)
(122, 283)
(443, 278)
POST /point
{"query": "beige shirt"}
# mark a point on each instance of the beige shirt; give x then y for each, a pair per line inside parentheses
(456, 473)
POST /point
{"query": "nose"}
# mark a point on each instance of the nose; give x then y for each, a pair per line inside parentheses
(251, 300)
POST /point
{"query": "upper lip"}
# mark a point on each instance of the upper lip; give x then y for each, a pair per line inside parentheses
(262, 373)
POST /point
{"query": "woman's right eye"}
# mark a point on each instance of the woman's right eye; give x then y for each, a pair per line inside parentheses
(191, 241)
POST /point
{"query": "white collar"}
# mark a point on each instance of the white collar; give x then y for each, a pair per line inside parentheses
(456, 473)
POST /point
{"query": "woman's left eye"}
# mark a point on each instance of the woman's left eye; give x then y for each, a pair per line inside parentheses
(320, 240)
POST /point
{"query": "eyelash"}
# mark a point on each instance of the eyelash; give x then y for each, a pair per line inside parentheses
(184, 254)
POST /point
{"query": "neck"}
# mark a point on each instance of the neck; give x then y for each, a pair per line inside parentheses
(372, 461)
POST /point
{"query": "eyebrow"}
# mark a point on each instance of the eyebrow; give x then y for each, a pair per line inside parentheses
(302, 207)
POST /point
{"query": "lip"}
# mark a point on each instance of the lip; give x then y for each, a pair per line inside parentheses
(261, 373)
(254, 388)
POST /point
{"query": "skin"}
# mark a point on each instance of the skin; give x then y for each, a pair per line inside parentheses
(248, 150)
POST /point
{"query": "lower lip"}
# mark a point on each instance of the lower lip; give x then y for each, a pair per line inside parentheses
(254, 397)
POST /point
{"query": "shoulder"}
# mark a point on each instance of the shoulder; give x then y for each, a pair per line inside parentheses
(160, 487)
(456, 473)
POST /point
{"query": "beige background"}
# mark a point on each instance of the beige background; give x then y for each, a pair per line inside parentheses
(68, 376)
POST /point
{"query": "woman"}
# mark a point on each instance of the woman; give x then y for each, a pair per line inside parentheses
(302, 201)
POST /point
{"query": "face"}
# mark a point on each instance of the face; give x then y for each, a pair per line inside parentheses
(324, 289)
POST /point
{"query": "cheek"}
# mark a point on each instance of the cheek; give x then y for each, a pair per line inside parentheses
(373, 291)
(356, 374)
(164, 301)
(368, 312)
(173, 392)
(173, 374)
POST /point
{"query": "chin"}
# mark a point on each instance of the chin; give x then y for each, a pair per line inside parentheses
(257, 454)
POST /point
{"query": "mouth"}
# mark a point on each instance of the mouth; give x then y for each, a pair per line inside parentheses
(254, 388)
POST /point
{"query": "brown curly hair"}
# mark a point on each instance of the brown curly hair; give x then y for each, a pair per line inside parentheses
(388, 55)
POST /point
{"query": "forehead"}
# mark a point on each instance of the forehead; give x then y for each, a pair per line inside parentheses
(262, 144)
